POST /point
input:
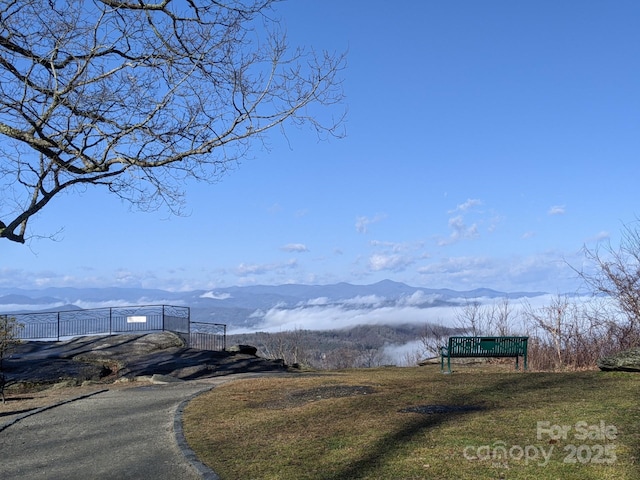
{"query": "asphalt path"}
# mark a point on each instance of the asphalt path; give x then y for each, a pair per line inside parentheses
(125, 433)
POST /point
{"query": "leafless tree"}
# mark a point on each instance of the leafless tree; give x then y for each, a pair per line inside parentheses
(555, 321)
(411, 359)
(432, 339)
(471, 318)
(617, 276)
(341, 358)
(137, 96)
(372, 357)
(569, 334)
(500, 314)
(289, 346)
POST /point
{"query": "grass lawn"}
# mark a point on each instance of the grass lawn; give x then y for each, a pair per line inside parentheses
(484, 422)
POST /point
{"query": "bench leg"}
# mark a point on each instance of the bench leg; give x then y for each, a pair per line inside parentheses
(442, 363)
(517, 364)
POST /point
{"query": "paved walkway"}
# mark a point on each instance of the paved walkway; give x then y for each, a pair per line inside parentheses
(127, 433)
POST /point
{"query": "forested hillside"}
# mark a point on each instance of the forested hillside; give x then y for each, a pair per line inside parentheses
(360, 346)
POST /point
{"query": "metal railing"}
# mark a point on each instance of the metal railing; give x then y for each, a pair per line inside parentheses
(208, 336)
(114, 320)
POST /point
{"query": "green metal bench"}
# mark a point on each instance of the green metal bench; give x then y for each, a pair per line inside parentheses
(467, 347)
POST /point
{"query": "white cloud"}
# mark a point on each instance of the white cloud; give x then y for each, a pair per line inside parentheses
(245, 269)
(318, 301)
(344, 316)
(216, 296)
(600, 236)
(368, 300)
(395, 246)
(466, 206)
(419, 297)
(294, 247)
(405, 354)
(494, 221)
(394, 256)
(456, 267)
(252, 269)
(527, 273)
(347, 314)
(460, 230)
(466, 220)
(362, 223)
(171, 280)
(341, 316)
(393, 262)
(557, 210)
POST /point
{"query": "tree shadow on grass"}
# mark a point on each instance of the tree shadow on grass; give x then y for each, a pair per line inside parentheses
(388, 447)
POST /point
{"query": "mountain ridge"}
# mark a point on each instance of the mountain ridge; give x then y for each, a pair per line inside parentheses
(246, 305)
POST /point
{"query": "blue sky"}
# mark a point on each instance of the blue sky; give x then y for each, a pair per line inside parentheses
(486, 143)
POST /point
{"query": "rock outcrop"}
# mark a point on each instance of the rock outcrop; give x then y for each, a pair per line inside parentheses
(243, 349)
(627, 361)
(109, 358)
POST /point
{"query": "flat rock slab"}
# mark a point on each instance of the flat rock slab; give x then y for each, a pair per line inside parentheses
(106, 358)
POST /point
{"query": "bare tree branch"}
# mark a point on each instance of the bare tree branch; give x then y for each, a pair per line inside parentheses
(137, 96)
(616, 275)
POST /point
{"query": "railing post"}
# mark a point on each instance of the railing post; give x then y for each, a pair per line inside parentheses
(163, 318)
(189, 340)
(58, 318)
(110, 320)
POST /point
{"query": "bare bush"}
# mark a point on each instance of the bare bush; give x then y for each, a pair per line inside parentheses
(572, 333)
(470, 318)
(433, 339)
(289, 346)
(480, 320)
(616, 275)
(370, 357)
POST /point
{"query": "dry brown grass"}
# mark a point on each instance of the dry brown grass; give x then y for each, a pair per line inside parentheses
(309, 427)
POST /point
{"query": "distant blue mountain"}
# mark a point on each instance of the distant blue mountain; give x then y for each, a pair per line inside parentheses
(239, 305)
(15, 299)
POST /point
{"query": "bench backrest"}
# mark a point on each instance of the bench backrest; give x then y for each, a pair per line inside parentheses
(487, 346)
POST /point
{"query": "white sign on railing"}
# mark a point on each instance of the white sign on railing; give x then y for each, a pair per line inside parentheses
(137, 319)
